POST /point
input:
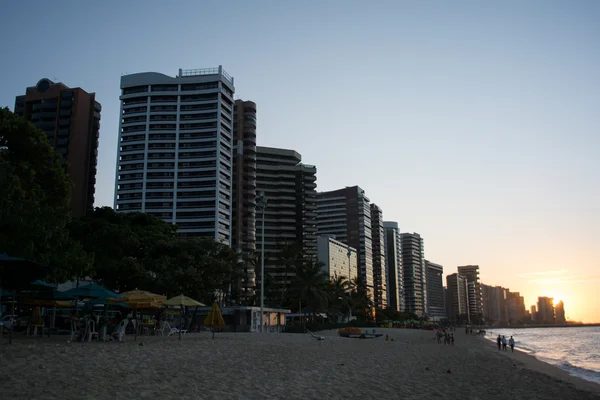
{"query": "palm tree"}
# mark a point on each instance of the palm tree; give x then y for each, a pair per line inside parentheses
(339, 299)
(309, 287)
(360, 296)
(289, 255)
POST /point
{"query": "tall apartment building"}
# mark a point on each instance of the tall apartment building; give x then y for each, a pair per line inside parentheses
(413, 266)
(393, 263)
(338, 258)
(457, 296)
(290, 215)
(533, 312)
(70, 117)
(379, 266)
(559, 312)
(346, 214)
(493, 304)
(243, 205)
(435, 290)
(175, 149)
(471, 272)
(545, 310)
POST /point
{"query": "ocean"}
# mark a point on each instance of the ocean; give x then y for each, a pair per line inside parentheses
(575, 350)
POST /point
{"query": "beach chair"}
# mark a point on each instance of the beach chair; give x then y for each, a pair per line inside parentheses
(75, 333)
(90, 331)
(166, 328)
(120, 332)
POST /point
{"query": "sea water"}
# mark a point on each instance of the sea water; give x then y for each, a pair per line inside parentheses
(575, 350)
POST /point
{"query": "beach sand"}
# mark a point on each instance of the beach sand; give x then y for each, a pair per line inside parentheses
(275, 366)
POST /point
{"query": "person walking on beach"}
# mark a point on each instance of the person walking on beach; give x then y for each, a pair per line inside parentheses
(504, 343)
(511, 343)
(499, 341)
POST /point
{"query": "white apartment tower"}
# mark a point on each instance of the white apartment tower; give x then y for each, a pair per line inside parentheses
(174, 156)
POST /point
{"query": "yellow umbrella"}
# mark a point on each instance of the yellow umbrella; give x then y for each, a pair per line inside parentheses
(142, 296)
(182, 300)
(214, 319)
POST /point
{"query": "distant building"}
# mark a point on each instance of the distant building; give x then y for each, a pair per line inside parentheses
(70, 117)
(457, 296)
(243, 204)
(346, 214)
(494, 304)
(413, 265)
(545, 310)
(435, 290)
(290, 215)
(339, 258)
(393, 263)
(533, 313)
(559, 312)
(379, 268)
(471, 272)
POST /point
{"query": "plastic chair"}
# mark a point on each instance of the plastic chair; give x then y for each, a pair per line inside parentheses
(90, 331)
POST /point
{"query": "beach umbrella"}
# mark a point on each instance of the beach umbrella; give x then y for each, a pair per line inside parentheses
(142, 296)
(182, 301)
(214, 319)
(92, 291)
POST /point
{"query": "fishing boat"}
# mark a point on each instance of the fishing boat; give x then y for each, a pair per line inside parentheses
(357, 333)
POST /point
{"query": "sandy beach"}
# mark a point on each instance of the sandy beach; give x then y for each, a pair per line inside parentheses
(275, 366)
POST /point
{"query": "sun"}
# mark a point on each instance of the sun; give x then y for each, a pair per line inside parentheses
(556, 300)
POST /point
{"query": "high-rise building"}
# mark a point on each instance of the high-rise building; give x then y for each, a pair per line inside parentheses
(516, 306)
(533, 313)
(379, 267)
(346, 214)
(435, 291)
(493, 304)
(393, 264)
(457, 298)
(243, 206)
(559, 312)
(545, 310)
(471, 272)
(338, 258)
(415, 278)
(70, 117)
(175, 149)
(290, 189)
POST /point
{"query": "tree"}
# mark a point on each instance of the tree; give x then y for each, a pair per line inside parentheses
(360, 299)
(339, 302)
(290, 254)
(309, 287)
(35, 193)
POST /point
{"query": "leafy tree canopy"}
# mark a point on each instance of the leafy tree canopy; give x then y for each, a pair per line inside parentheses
(34, 200)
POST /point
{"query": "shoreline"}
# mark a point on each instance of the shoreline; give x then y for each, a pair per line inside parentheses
(531, 362)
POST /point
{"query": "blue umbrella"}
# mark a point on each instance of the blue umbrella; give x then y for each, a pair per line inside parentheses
(92, 291)
(43, 284)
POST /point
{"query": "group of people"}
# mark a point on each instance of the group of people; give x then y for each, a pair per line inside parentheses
(501, 341)
(445, 336)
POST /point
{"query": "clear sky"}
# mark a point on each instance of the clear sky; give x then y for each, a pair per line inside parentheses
(475, 124)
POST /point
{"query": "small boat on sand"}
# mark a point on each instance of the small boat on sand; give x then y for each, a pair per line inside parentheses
(357, 333)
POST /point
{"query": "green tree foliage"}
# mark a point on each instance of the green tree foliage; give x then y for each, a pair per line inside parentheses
(309, 287)
(138, 251)
(34, 200)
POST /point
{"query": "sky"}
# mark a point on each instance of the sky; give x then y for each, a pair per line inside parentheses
(475, 124)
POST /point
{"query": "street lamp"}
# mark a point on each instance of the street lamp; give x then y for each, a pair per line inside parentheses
(261, 204)
(349, 254)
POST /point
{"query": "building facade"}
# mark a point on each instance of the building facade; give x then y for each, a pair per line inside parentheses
(559, 313)
(175, 150)
(243, 206)
(290, 214)
(436, 308)
(414, 274)
(339, 259)
(379, 267)
(346, 214)
(471, 272)
(457, 295)
(393, 264)
(545, 310)
(70, 117)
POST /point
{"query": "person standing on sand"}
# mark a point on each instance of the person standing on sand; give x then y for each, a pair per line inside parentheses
(504, 343)
(511, 343)
(499, 341)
